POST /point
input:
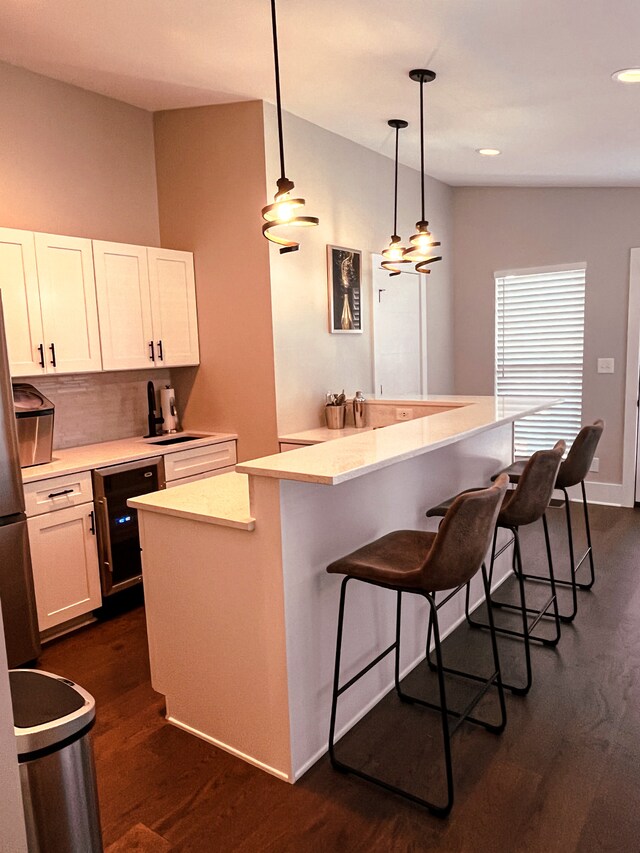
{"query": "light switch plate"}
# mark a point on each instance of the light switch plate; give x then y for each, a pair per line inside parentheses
(606, 365)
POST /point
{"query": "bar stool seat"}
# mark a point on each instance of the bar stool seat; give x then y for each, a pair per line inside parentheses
(523, 505)
(421, 563)
(572, 472)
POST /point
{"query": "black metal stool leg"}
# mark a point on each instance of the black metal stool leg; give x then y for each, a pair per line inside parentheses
(552, 581)
(496, 656)
(336, 680)
(585, 507)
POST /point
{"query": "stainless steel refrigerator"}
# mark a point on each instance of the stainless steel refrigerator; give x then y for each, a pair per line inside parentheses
(16, 580)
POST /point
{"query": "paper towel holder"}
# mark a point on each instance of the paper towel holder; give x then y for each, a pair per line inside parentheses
(168, 409)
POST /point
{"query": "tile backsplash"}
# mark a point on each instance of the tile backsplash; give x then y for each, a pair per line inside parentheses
(93, 407)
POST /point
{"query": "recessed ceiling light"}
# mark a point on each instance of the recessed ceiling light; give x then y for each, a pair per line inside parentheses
(489, 152)
(627, 75)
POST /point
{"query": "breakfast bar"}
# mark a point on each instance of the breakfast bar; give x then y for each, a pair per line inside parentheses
(241, 613)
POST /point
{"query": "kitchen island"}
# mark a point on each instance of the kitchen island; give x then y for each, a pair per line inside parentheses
(242, 615)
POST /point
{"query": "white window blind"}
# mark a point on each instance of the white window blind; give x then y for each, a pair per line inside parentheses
(539, 350)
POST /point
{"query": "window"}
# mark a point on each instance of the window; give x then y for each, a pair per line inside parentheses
(539, 349)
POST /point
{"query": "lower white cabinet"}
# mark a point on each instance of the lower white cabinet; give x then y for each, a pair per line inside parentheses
(65, 564)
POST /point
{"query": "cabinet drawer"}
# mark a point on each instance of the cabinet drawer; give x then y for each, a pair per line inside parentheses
(203, 476)
(198, 460)
(57, 493)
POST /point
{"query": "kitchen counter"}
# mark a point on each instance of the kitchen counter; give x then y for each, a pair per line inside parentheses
(241, 625)
(71, 460)
(333, 462)
(221, 500)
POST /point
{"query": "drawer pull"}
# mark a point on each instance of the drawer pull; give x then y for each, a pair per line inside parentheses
(57, 494)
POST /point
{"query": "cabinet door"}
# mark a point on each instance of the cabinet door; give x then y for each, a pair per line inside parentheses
(124, 305)
(21, 301)
(173, 307)
(68, 301)
(65, 564)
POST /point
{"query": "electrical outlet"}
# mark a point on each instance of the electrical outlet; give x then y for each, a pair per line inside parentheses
(606, 365)
(595, 465)
(404, 414)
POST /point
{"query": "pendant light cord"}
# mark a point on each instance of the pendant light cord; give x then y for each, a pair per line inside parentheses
(395, 191)
(422, 144)
(278, 100)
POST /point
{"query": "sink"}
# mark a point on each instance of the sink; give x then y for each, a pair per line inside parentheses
(175, 439)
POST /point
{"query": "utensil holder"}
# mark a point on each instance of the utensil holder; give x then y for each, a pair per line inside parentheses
(334, 416)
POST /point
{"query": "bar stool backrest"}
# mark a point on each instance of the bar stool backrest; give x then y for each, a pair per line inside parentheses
(580, 456)
(463, 537)
(530, 499)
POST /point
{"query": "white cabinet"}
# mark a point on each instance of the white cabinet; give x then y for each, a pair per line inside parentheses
(68, 301)
(21, 302)
(49, 299)
(198, 463)
(147, 306)
(124, 306)
(65, 564)
(173, 307)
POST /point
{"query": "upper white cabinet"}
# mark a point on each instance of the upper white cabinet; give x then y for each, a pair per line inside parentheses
(124, 305)
(173, 307)
(147, 306)
(21, 302)
(73, 305)
(49, 299)
(68, 302)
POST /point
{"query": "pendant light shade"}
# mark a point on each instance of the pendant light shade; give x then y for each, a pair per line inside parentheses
(423, 244)
(284, 212)
(394, 254)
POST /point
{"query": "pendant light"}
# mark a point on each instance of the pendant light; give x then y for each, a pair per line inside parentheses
(393, 254)
(422, 243)
(284, 211)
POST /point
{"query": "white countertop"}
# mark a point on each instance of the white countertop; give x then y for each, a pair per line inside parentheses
(222, 499)
(73, 459)
(334, 462)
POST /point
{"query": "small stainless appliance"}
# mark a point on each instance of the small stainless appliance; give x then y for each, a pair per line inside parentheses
(117, 524)
(34, 421)
(17, 597)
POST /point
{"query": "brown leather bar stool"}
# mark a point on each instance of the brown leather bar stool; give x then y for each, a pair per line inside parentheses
(525, 504)
(423, 563)
(572, 472)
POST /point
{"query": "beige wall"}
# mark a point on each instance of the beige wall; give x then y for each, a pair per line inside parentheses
(211, 179)
(350, 189)
(500, 228)
(73, 162)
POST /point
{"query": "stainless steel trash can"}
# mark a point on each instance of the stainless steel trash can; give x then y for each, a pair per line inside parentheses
(52, 718)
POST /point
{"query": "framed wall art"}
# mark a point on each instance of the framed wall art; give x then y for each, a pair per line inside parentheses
(344, 273)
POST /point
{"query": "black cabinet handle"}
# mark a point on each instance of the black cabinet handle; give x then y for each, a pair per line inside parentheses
(92, 528)
(41, 351)
(152, 354)
(52, 347)
(57, 494)
(160, 351)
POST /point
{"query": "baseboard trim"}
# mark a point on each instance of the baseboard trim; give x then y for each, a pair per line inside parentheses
(243, 755)
(608, 494)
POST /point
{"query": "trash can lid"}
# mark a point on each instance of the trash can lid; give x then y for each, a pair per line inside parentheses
(47, 709)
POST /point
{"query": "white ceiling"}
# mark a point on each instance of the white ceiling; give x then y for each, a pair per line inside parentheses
(531, 78)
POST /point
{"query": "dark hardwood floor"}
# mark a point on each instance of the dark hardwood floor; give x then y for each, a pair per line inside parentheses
(564, 776)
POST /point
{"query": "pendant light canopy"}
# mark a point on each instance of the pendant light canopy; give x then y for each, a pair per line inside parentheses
(421, 252)
(393, 254)
(284, 211)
